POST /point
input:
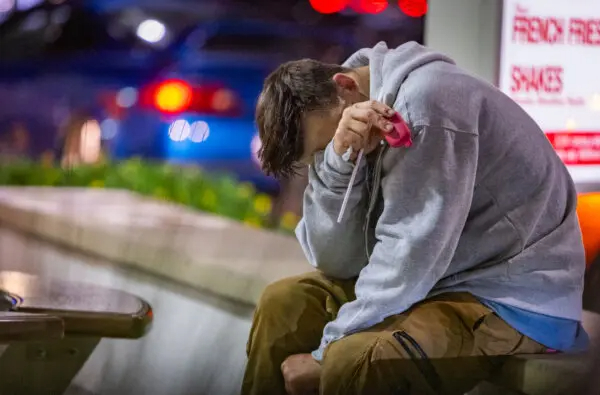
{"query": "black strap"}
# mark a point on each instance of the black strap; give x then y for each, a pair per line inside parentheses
(424, 364)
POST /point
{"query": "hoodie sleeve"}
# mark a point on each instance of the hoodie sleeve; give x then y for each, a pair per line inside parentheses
(338, 250)
(427, 196)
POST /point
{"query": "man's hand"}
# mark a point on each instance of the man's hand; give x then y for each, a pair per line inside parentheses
(302, 374)
(362, 126)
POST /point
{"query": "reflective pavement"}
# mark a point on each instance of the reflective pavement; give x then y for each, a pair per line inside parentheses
(197, 342)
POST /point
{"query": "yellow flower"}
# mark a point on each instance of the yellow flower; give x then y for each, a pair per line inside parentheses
(97, 184)
(160, 193)
(47, 159)
(209, 199)
(245, 190)
(51, 176)
(253, 221)
(289, 220)
(102, 158)
(262, 204)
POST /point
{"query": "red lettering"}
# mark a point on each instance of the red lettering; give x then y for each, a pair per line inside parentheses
(576, 30)
(576, 148)
(593, 32)
(554, 101)
(520, 9)
(520, 28)
(545, 79)
(536, 30)
(584, 31)
(516, 79)
(576, 101)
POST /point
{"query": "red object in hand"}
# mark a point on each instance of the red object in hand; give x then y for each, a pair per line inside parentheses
(400, 136)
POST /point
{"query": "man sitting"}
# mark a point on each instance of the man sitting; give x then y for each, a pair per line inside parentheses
(452, 252)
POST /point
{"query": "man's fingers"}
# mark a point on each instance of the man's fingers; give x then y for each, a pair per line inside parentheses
(286, 378)
(290, 384)
(385, 125)
(360, 124)
(359, 128)
(355, 134)
(363, 114)
(354, 140)
(301, 374)
(376, 106)
(369, 117)
(288, 389)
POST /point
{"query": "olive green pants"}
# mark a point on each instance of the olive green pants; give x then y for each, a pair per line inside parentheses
(443, 345)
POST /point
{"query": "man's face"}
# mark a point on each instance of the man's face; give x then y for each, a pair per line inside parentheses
(319, 127)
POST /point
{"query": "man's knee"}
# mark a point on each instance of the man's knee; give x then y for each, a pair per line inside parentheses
(370, 362)
(289, 317)
(346, 363)
(313, 291)
(282, 294)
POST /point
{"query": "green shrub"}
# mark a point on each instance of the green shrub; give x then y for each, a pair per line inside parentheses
(190, 186)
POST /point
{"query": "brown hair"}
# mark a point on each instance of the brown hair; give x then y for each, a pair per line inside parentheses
(292, 90)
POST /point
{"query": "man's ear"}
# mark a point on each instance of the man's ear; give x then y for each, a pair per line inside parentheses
(345, 82)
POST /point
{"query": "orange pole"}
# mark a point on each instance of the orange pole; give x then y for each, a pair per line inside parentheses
(588, 210)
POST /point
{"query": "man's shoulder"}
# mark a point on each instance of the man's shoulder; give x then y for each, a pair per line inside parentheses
(443, 95)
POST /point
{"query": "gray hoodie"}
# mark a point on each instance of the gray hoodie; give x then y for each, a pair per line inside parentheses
(480, 202)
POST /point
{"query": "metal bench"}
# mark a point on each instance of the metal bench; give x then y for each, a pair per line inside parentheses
(553, 373)
(549, 374)
(543, 374)
(48, 329)
(15, 327)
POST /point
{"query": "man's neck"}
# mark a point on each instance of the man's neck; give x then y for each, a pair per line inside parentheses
(364, 80)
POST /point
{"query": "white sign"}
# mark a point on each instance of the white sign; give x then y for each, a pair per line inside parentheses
(550, 65)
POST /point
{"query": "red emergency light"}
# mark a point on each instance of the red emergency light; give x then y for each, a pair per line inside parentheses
(369, 6)
(412, 8)
(328, 6)
(177, 96)
(173, 96)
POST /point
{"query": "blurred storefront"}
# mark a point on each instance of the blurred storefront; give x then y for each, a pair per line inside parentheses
(545, 55)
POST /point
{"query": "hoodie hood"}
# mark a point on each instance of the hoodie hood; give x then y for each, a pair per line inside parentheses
(390, 67)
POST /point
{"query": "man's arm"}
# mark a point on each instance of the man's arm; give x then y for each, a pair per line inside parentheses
(427, 197)
(338, 250)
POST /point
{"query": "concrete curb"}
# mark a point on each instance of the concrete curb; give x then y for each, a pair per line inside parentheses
(205, 251)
